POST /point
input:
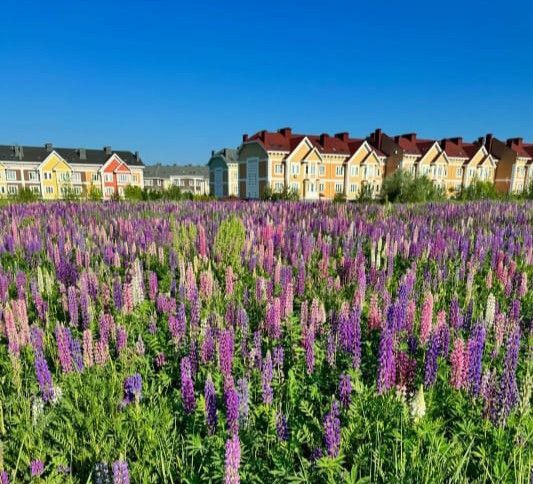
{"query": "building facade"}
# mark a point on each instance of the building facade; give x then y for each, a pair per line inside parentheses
(323, 166)
(55, 173)
(224, 173)
(189, 178)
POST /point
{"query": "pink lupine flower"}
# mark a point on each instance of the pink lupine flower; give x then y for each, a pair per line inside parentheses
(229, 280)
(374, 315)
(88, 348)
(457, 361)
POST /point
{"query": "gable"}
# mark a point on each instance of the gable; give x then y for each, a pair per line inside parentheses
(313, 155)
(430, 154)
(440, 159)
(115, 164)
(302, 149)
(54, 162)
(479, 157)
(371, 159)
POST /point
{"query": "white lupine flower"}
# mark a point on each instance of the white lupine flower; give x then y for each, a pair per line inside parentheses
(490, 310)
(418, 404)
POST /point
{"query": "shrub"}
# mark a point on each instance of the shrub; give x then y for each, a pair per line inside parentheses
(339, 198)
(133, 193)
(229, 242)
(403, 187)
(94, 194)
(25, 195)
(288, 194)
(478, 190)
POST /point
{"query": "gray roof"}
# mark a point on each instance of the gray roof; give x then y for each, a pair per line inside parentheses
(229, 154)
(36, 154)
(166, 171)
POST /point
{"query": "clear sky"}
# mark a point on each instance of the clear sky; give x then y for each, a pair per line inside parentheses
(175, 80)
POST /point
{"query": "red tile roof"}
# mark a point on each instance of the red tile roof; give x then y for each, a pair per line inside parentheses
(411, 145)
(528, 147)
(454, 147)
(517, 145)
(285, 140)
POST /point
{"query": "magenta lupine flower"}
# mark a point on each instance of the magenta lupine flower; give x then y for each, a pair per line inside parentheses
(44, 378)
(405, 371)
(127, 296)
(101, 352)
(426, 318)
(202, 242)
(152, 286)
(332, 430)
(187, 385)
(85, 307)
(226, 352)
(11, 332)
(457, 361)
(132, 389)
(476, 345)
(522, 288)
(63, 349)
(266, 380)
(273, 318)
(345, 390)
(300, 279)
(387, 363)
(210, 405)
(121, 473)
(232, 409)
(233, 460)
(4, 477)
(36, 468)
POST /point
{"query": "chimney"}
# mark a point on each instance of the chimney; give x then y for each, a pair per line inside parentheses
(83, 153)
(323, 138)
(378, 137)
(107, 150)
(343, 136)
(19, 152)
(457, 140)
(410, 136)
(515, 141)
(481, 140)
(287, 132)
(489, 139)
(244, 138)
(137, 156)
(212, 153)
(48, 147)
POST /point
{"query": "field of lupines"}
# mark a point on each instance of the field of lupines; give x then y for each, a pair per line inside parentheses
(288, 342)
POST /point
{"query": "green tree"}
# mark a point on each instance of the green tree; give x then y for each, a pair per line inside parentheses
(25, 195)
(94, 194)
(478, 190)
(403, 187)
(133, 193)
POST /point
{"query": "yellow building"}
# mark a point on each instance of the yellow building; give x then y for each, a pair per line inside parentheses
(56, 177)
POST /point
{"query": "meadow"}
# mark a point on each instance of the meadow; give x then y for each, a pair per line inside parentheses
(266, 342)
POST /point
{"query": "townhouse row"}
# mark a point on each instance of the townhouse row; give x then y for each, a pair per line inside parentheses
(321, 166)
(53, 173)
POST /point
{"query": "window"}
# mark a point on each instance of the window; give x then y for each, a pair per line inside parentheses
(11, 175)
(338, 187)
(47, 175)
(108, 177)
(295, 169)
(95, 177)
(295, 186)
(2, 190)
(354, 170)
(123, 178)
(278, 169)
(321, 187)
(322, 169)
(108, 191)
(33, 176)
(278, 186)
(353, 188)
(49, 190)
(339, 170)
(12, 189)
(459, 172)
(35, 189)
(135, 178)
(76, 177)
(64, 177)
(311, 169)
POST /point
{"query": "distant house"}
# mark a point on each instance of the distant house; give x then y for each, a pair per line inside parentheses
(55, 173)
(224, 173)
(189, 178)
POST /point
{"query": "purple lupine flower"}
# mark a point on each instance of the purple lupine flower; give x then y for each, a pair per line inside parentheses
(73, 305)
(160, 360)
(226, 352)
(187, 385)
(282, 428)
(387, 364)
(266, 380)
(4, 477)
(345, 390)
(36, 338)
(117, 294)
(332, 430)
(507, 393)
(233, 460)
(210, 405)
(476, 345)
(76, 353)
(152, 286)
(36, 467)
(232, 410)
(273, 318)
(432, 353)
(456, 320)
(121, 473)
(44, 378)
(309, 348)
(132, 389)
(355, 322)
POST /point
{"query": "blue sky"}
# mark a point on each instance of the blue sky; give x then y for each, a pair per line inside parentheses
(175, 80)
